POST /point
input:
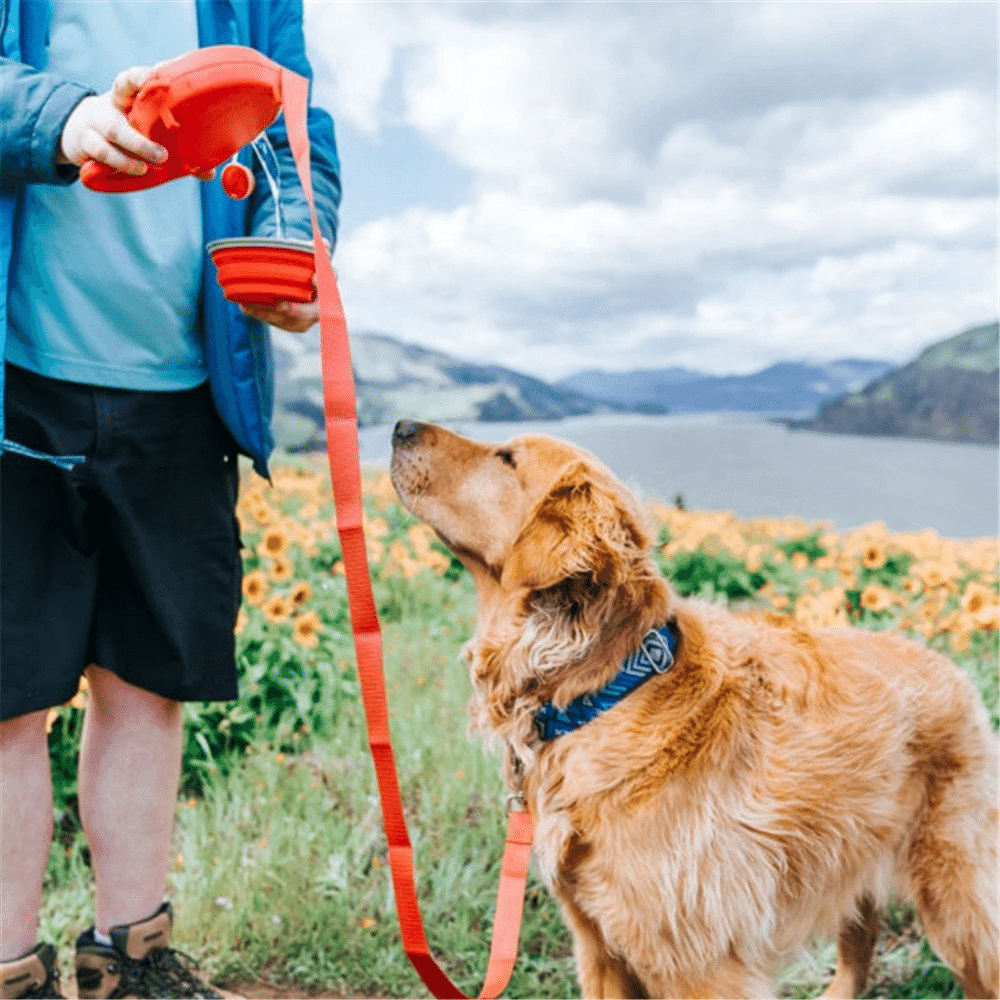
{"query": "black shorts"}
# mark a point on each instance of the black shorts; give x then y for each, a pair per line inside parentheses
(131, 560)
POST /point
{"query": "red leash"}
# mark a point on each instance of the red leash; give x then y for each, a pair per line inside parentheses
(342, 443)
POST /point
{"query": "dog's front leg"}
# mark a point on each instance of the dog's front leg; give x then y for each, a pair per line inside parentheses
(602, 975)
(855, 944)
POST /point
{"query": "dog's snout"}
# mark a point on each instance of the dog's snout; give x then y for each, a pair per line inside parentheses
(406, 432)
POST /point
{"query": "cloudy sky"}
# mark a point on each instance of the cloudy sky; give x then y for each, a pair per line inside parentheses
(564, 185)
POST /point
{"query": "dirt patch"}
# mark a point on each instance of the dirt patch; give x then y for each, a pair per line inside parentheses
(259, 990)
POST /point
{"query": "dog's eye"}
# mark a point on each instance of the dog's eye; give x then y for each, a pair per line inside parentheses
(506, 455)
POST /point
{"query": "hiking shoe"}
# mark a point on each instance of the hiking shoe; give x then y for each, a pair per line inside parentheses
(138, 963)
(34, 974)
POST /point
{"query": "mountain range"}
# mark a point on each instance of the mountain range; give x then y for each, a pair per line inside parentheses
(949, 392)
(394, 379)
(787, 386)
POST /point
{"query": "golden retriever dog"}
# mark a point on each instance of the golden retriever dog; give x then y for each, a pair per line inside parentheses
(771, 784)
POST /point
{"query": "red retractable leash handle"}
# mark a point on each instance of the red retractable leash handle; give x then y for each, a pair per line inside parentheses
(342, 443)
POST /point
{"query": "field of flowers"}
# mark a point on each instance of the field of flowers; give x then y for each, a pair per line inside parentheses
(283, 905)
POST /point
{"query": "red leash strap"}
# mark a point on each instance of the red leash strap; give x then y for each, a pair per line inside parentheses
(342, 442)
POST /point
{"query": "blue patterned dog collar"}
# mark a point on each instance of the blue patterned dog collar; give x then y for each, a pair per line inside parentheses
(655, 655)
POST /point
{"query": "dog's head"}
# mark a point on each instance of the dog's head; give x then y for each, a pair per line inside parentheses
(559, 553)
(527, 515)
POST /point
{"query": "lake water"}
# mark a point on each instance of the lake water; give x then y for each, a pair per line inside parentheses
(743, 463)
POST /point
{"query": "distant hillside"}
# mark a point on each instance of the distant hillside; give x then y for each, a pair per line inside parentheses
(395, 380)
(642, 387)
(785, 387)
(949, 393)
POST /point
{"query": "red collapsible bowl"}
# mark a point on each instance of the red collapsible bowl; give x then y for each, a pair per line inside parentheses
(202, 108)
(255, 271)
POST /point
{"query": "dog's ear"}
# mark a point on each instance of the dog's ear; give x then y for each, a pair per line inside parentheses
(582, 527)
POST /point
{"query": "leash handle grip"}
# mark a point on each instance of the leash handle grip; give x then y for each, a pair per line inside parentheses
(340, 409)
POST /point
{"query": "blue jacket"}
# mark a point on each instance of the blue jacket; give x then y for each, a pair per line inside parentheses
(34, 107)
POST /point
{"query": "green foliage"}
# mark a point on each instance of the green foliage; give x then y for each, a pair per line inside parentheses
(64, 749)
(980, 661)
(283, 695)
(711, 575)
(809, 545)
(891, 574)
(455, 568)
(906, 967)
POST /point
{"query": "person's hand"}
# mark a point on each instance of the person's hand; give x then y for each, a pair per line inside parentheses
(98, 129)
(296, 317)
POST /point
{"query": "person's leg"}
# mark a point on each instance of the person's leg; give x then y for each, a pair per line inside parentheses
(162, 633)
(162, 629)
(129, 772)
(25, 829)
(48, 573)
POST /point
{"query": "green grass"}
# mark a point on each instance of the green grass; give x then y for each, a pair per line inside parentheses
(281, 875)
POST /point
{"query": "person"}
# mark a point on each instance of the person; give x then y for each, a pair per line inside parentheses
(130, 385)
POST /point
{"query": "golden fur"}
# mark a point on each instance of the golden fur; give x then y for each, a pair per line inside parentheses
(776, 783)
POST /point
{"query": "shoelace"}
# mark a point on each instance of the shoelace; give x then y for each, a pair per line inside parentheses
(49, 990)
(163, 974)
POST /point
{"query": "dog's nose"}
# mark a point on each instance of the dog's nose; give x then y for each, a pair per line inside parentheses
(406, 432)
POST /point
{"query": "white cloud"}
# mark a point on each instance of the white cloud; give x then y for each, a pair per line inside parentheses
(353, 46)
(716, 185)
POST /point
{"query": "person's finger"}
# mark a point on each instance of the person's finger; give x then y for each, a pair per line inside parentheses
(121, 134)
(296, 317)
(96, 147)
(266, 314)
(127, 84)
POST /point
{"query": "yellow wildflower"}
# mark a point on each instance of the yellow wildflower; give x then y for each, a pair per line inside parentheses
(936, 573)
(846, 573)
(376, 527)
(300, 594)
(420, 538)
(821, 610)
(876, 598)
(399, 556)
(251, 500)
(933, 604)
(281, 568)
(977, 597)
(754, 558)
(948, 622)
(874, 555)
(734, 541)
(274, 542)
(435, 560)
(987, 616)
(277, 609)
(306, 628)
(255, 587)
(262, 513)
